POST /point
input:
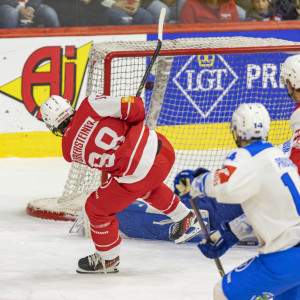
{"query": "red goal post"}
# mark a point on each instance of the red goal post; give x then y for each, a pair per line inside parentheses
(198, 83)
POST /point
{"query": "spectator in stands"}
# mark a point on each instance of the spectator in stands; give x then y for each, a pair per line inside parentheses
(173, 8)
(287, 9)
(13, 13)
(80, 12)
(127, 12)
(208, 11)
(242, 7)
(244, 4)
(262, 10)
(297, 3)
(241, 13)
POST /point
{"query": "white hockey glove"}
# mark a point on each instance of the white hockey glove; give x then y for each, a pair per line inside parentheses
(198, 186)
(241, 228)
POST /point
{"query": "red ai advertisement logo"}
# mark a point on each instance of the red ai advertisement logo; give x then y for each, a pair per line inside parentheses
(51, 70)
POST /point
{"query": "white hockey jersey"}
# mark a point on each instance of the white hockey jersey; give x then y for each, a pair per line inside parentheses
(267, 185)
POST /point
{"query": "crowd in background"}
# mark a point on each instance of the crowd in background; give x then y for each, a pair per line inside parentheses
(64, 13)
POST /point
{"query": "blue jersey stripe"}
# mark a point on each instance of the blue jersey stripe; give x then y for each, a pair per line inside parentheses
(258, 146)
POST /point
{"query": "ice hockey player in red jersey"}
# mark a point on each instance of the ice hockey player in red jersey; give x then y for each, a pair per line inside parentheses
(290, 75)
(108, 133)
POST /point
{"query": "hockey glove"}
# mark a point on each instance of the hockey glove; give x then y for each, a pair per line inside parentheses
(183, 180)
(198, 186)
(222, 239)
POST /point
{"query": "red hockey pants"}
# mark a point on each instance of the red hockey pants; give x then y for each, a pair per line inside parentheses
(113, 197)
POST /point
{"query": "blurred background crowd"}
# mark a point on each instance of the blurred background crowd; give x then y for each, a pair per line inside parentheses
(64, 13)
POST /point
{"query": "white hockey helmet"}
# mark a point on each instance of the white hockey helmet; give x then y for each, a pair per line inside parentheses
(250, 121)
(55, 111)
(291, 70)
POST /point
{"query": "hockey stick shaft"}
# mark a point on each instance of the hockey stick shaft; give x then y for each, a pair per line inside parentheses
(205, 233)
(158, 47)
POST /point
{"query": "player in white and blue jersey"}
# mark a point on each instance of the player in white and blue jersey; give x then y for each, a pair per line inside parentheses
(218, 212)
(266, 184)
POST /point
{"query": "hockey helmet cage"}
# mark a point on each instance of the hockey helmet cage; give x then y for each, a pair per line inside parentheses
(55, 111)
(290, 70)
(250, 121)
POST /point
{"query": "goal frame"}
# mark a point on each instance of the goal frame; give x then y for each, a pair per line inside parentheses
(176, 52)
(107, 63)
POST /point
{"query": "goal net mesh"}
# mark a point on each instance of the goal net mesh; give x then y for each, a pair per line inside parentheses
(197, 85)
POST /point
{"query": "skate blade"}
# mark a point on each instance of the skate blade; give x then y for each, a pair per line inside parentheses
(188, 236)
(108, 271)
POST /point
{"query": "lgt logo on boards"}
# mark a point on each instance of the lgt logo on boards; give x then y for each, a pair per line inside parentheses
(212, 76)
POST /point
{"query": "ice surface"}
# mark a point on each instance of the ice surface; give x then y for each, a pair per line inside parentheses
(38, 257)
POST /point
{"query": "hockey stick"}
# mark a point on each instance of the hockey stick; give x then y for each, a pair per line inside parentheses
(79, 220)
(205, 233)
(153, 58)
(77, 224)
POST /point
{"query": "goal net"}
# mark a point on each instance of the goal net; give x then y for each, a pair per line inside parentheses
(197, 85)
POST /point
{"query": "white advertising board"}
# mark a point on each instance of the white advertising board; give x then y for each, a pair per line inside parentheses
(33, 68)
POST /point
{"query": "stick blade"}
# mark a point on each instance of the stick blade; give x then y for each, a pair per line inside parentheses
(161, 22)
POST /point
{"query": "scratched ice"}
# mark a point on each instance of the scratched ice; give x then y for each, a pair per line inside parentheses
(38, 257)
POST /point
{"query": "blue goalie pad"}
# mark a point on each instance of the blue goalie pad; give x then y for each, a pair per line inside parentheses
(218, 212)
(139, 220)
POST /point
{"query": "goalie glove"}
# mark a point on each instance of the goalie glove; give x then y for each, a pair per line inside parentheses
(222, 239)
(184, 179)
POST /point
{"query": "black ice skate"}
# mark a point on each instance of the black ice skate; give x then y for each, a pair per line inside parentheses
(184, 230)
(94, 264)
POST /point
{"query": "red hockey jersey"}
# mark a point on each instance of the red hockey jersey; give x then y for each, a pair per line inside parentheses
(108, 133)
(197, 11)
(295, 141)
